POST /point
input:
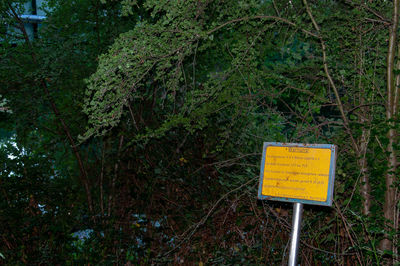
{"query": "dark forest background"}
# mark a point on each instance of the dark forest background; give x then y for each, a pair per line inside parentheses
(131, 131)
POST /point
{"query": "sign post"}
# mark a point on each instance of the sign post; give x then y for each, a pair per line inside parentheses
(298, 173)
(295, 237)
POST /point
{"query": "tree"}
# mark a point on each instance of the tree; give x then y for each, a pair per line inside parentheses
(122, 74)
(177, 98)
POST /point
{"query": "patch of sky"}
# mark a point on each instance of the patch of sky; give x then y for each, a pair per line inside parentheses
(83, 234)
(8, 143)
(42, 208)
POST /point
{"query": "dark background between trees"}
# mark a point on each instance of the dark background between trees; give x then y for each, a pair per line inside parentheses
(141, 123)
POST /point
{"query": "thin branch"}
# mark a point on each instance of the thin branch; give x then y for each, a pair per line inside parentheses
(330, 79)
(194, 65)
(204, 219)
(275, 18)
(376, 13)
(276, 8)
(378, 21)
(20, 25)
(101, 182)
(83, 173)
(133, 116)
(364, 105)
(347, 230)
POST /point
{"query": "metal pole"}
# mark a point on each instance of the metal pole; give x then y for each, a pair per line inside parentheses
(295, 238)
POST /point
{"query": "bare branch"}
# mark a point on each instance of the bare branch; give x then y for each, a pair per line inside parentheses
(330, 79)
(376, 13)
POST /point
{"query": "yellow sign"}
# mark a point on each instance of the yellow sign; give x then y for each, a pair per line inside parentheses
(298, 172)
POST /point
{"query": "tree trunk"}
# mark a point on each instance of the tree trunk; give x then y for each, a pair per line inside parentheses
(391, 107)
(362, 163)
(364, 118)
(83, 174)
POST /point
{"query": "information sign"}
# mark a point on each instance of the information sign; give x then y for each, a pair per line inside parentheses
(302, 173)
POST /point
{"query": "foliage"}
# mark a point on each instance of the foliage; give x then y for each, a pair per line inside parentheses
(140, 123)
